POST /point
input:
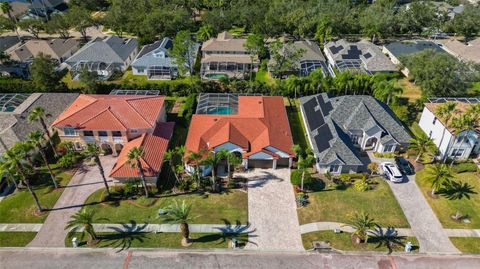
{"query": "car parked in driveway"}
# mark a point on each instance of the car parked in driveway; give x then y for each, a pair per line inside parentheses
(404, 166)
(391, 172)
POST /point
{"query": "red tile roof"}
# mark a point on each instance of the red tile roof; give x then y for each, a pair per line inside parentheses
(111, 112)
(261, 122)
(154, 147)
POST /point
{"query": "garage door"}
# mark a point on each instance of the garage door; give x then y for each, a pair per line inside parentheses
(264, 164)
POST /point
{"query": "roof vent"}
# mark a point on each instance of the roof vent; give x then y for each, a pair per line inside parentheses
(259, 102)
(215, 119)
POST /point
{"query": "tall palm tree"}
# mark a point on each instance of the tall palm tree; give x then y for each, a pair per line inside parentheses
(38, 114)
(14, 160)
(169, 157)
(445, 112)
(93, 151)
(461, 125)
(195, 159)
(82, 221)
(304, 163)
(7, 9)
(385, 90)
(205, 32)
(180, 214)
(37, 139)
(439, 174)
(361, 222)
(135, 156)
(213, 159)
(26, 148)
(6, 173)
(422, 144)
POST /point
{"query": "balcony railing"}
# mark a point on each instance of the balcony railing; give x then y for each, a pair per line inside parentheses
(89, 138)
(103, 138)
(118, 139)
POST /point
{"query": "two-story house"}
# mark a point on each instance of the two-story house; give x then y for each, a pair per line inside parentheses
(226, 56)
(339, 128)
(256, 128)
(117, 123)
(451, 143)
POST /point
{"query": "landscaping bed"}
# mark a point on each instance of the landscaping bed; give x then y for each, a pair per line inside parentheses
(342, 241)
(20, 207)
(16, 239)
(445, 206)
(340, 204)
(467, 244)
(210, 208)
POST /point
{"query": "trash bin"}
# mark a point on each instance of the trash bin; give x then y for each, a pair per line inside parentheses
(234, 243)
(408, 247)
(75, 242)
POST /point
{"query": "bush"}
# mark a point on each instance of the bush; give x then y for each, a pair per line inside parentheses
(69, 160)
(296, 177)
(465, 167)
(389, 155)
(361, 185)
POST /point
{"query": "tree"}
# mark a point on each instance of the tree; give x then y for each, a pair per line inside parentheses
(14, 160)
(59, 24)
(445, 112)
(80, 19)
(324, 31)
(377, 21)
(284, 56)
(304, 163)
(183, 46)
(88, 78)
(461, 125)
(180, 214)
(43, 73)
(33, 26)
(416, 17)
(93, 151)
(205, 32)
(169, 157)
(37, 138)
(82, 222)
(38, 114)
(7, 174)
(373, 167)
(385, 90)
(422, 144)
(213, 160)
(135, 158)
(466, 23)
(439, 174)
(361, 223)
(195, 158)
(255, 47)
(11, 22)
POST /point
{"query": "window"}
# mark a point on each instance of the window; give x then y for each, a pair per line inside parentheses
(87, 133)
(354, 139)
(334, 169)
(434, 120)
(388, 148)
(69, 131)
(102, 133)
(140, 70)
(116, 133)
(457, 152)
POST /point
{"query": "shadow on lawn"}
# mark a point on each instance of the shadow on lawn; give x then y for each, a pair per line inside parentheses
(241, 233)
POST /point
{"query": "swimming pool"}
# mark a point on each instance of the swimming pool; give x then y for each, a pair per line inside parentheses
(216, 76)
(220, 110)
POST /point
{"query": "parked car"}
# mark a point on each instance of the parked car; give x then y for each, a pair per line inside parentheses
(405, 166)
(391, 172)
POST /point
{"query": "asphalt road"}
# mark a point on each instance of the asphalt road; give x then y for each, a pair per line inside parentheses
(106, 259)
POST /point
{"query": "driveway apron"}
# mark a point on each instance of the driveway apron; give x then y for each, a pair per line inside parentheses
(272, 211)
(86, 181)
(424, 224)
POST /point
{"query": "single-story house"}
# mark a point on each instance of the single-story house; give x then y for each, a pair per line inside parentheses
(104, 56)
(339, 128)
(58, 49)
(254, 127)
(357, 57)
(156, 62)
(469, 52)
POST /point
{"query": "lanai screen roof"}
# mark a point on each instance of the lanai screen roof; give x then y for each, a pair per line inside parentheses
(439, 100)
(134, 92)
(10, 101)
(213, 101)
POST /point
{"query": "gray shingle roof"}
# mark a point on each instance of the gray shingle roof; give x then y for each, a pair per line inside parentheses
(157, 54)
(359, 112)
(15, 127)
(7, 42)
(409, 47)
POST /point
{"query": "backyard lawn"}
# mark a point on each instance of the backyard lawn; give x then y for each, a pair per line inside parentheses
(296, 123)
(342, 241)
(19, 207)
(153, 240)
(335, 205)
(16, 239)
(410, 90)
(467, 244)
(444, 208)
(210, 209)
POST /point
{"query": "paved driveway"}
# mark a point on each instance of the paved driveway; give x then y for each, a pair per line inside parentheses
(272, 211)
(425, 225)
(85, 182)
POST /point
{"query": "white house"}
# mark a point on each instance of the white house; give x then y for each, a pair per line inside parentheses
(450, 144)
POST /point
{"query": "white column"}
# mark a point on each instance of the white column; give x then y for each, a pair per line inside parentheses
(290, 162)
(274, 164)
(245, 163)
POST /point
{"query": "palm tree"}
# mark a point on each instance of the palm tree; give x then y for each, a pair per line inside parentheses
(38, 114)
(169, 157)
(388, 238)
(7, 9)
(445, 112)
(474, 112)
(439, 174)
(26, 148)
(14, 161)
(205, 32)
(135, 156)
(422, 144)
(385, 90)
(462, 124)
(38, 139)
(93, 151)
(195, 159)
(213, 159)
(180, 214)
(7, 174)
(304, 164)
(83, 219)
(361, 223)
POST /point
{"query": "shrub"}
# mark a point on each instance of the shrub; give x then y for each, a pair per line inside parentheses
(465, 167)
(301, 199)
(296, 177)
(69, 160)
(361, 184)
(389, 155)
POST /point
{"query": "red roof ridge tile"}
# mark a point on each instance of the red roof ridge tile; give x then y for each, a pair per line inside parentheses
(64, 117)
(107, 109)
(136, 110)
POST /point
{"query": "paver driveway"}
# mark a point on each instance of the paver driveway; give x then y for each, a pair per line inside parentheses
(425, 225)
(85, 182)
(272, 211)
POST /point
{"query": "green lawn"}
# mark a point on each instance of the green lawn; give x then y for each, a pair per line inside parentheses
(445, 208)
(129, 78)
(467, 244)
(16, 239)
(342, 241)
(19, 207)
(152, 240)
(296, 123)
(264, 76)
(213, 209)
(335, 205)
(410, 90)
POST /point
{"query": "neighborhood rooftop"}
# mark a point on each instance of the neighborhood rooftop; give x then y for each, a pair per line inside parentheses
(412, 46)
